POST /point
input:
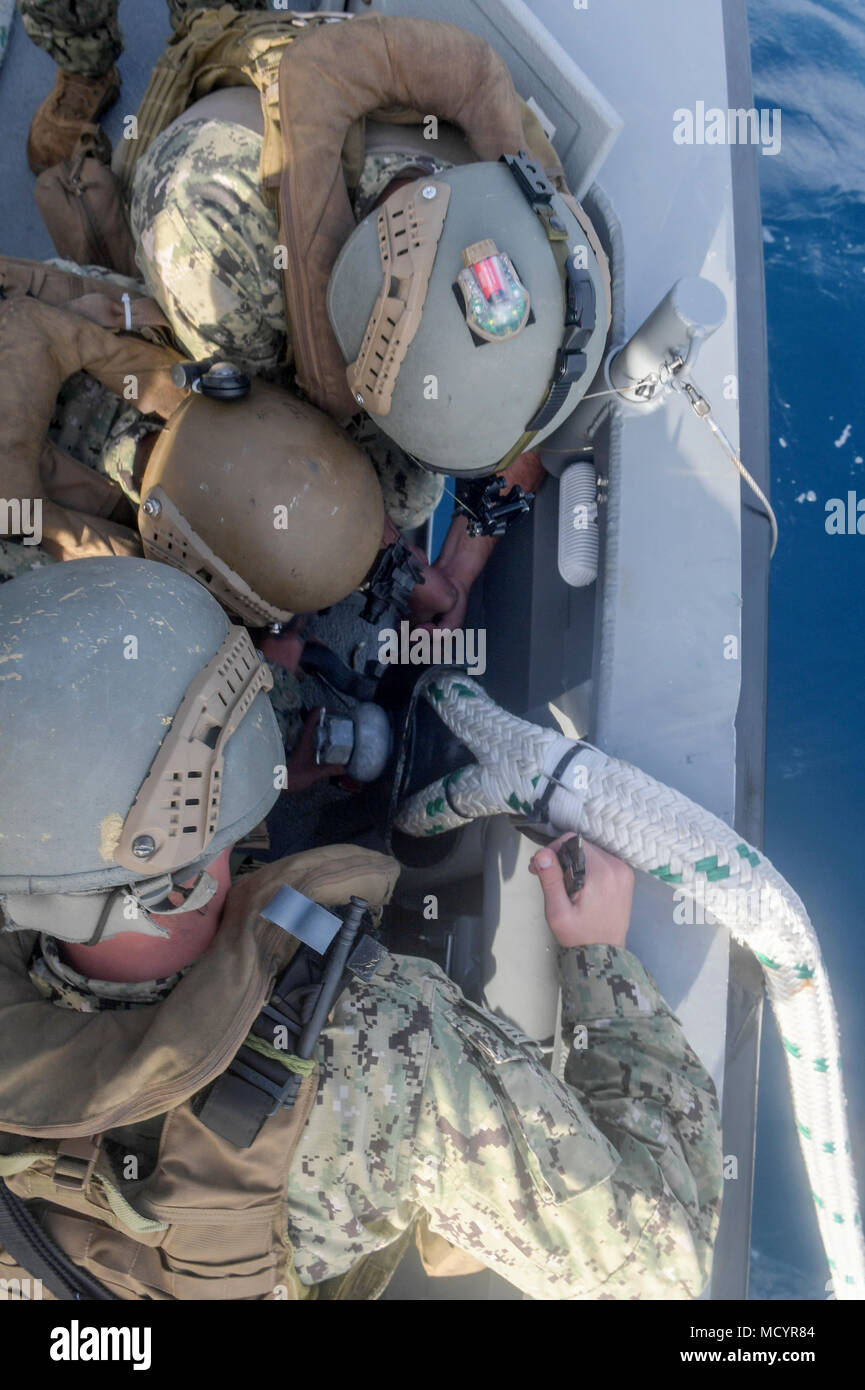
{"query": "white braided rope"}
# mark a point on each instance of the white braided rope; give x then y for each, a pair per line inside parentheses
(656, 829)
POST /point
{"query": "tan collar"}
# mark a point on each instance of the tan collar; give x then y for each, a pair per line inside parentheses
(124, 1065)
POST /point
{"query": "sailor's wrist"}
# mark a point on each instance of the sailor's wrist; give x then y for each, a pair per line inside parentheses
(603, 981)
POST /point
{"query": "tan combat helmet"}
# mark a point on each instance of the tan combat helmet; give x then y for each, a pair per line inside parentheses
(265, 501)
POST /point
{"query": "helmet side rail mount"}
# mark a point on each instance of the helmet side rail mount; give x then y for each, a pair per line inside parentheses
(175, 813)
(409, 229)
(166, 535)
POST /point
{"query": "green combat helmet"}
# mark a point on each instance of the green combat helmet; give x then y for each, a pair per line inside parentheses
(472, 314)
(139, 743)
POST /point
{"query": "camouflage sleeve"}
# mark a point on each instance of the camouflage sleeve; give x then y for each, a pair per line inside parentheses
(83, 38)
(605, 1187)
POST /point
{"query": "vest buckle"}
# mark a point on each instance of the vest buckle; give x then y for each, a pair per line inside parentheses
(75, 1161)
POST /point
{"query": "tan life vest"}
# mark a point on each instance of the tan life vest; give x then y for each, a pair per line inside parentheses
(41, 345)
(340, 74)
(318, 80)
(211, 49)
(209, 1222)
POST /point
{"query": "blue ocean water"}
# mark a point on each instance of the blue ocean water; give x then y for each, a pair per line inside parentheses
(808, 60)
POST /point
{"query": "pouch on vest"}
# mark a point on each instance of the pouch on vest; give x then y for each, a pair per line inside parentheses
(82, 207)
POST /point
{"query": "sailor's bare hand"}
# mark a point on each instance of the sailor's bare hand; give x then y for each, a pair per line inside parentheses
(435, 594)
(600, 913)
(463, 557)
(441, 601)
(302, 770)
(286, 649)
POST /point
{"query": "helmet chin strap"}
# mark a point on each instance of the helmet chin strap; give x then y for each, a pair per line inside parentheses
(153, 894)
(87, 918)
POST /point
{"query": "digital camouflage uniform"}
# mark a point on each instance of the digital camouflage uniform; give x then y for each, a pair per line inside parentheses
(606, 1185)
(69, 989)
(17, 558)
(206, 245)
(206, 242)
(84, 36)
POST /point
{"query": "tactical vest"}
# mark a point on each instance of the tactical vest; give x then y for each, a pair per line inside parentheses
(209, 1221)
(318, 79)
(52, 324)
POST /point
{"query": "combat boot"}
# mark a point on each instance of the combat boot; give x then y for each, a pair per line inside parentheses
(75, 102)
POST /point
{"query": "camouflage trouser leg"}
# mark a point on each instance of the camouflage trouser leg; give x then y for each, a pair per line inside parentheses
(82, 37)
(206, 242)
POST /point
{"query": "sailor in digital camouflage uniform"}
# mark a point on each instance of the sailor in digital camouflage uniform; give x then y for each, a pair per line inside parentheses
(92, 424)
(96, 427)
(205, 243)
(213, 217)
(426, 1108)
(604, 1186)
